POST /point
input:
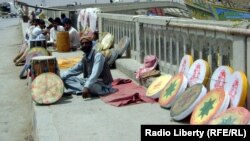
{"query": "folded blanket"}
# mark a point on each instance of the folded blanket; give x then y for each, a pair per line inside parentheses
(128, 93)
(65, 63)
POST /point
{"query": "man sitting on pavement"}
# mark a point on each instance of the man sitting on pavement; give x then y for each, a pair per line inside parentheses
(97, 76)
(74, 37)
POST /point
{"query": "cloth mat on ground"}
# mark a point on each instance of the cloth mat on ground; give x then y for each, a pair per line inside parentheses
(65, 63)
(128, 93)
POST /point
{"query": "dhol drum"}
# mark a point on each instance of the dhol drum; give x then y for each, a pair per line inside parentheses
(220, 76)
(47, 88)
(62, 41)
(232, 116)
(198, 72)
(212, 104)
(38, 43)
(155, 88)
(186, 62)
(175, 88)
(237, 88)
(107, 41)
(122, 45)
(43, 64)
(184, 105)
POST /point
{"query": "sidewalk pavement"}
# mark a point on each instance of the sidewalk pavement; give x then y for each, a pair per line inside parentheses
(77, 119)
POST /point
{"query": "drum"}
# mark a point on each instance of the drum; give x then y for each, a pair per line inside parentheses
(107, 41)
(114, 55)
(38, 43)
(155, 88)
(43, 64)
(236, 88)
(184, 105)
(220, 76)
(175, 87)
(198, 72)
(232, 116)
(213, 103)
(47, 88)
(123, 45)
(186, 62)
(62, 41)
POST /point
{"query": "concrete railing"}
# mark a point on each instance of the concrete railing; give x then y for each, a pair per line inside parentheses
(219, 43)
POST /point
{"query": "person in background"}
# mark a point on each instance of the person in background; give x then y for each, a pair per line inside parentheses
(57, 26)
(74, 37)
(63, 17)
(97, 76)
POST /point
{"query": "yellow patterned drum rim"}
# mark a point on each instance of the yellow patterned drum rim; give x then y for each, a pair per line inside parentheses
(172, 90)
(157, 86)
(237, 88)
(185, 64)
(208, 106)
(184, 105)
(232, 116)
(47, 88)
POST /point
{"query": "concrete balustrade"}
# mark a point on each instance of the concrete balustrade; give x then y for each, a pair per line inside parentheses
(169, 38)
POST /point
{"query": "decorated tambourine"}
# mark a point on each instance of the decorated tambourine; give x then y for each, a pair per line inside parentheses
(213, 103)
(236, 88)
(155, 88)
(184, 105)
(186, 62)
(220, 76)
(232, 116)
(47, 88)
(198, 72)
(175, 87)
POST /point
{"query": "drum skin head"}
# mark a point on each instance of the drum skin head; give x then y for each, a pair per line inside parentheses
(232, 116)
(220, 76)
(175, 87)
(198, 72)
(237, 88)
(208, 107)
(155, 88)
(184, 105)
(185, 64)
(47, 88)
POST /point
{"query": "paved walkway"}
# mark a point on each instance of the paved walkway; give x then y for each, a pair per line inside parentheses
(76, 119)
(15, 103)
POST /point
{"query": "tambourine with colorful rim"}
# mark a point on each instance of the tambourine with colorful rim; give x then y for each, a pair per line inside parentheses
(213, 103)
(198, 72)
(232, 116)
(186, 62)
(155, 88)
(184, 105)
(175, 87)
(220, 76)
(236, 88)
(47, 88)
